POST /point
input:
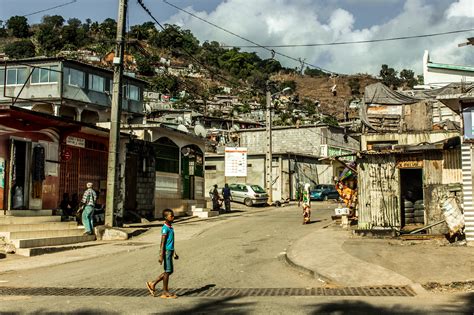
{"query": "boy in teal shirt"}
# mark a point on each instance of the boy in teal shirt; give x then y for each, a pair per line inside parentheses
(167, 253)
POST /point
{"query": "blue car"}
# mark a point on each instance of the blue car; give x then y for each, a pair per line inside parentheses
(323, 192)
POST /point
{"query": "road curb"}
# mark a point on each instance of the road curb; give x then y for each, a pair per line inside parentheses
(306, 271)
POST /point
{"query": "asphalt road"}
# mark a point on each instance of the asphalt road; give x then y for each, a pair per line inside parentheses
(241, 250)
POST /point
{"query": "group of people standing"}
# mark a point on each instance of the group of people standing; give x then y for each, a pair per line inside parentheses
(217, 199)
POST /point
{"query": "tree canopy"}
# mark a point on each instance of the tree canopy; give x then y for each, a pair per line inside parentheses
(18, 26)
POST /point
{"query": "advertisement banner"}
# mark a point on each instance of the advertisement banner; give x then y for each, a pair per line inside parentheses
(235, 162)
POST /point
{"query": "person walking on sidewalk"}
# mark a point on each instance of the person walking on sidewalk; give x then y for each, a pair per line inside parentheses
(226, 195)
(88, 201)
(167, 253)
(306, 204)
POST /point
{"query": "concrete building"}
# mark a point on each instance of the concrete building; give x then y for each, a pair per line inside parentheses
(43, 158)
(437, 75)
(298, 157)
(176, 159)
(67, 88)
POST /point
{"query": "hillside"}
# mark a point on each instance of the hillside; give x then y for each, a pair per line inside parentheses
(319, 89)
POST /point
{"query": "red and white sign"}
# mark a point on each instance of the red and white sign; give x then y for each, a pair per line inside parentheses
(235, 162)
(66, 155)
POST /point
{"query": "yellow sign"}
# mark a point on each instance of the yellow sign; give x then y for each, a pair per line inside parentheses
(410, 164)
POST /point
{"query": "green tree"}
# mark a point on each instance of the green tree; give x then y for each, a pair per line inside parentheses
(420, 79)
(3, 30)
(18, 26)
(143, 31)
(408, 78)
(73, 34)
(20, 49)
(288, 84)
(108, 28)
(173, 37)
(389, 77)
(165, 83)
(144, 65)
(354, 85)
(47, 34)
(315, 73)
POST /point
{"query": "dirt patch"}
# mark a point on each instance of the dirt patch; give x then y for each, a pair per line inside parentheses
(420, 261)
(458, 286)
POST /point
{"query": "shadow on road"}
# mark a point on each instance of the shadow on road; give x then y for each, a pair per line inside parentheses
(218, 306)
(362, 307)
(199, 290)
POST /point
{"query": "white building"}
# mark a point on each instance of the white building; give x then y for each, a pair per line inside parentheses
(440, 74)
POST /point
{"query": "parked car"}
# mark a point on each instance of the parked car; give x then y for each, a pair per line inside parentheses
(247, 194)
(323, 192)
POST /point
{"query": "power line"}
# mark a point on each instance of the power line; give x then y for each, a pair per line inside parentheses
(248, 40)
(51, 8)
(355, 42)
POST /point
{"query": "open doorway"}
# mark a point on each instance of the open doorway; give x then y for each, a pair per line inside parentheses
(19, 183)
(411, 189)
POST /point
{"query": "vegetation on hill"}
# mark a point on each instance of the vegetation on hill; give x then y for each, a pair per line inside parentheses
(151, 48)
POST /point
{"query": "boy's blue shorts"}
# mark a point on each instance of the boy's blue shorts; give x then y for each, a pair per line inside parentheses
(168, 261)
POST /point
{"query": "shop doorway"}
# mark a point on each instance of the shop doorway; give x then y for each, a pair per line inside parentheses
(411, 189)
(19, 174)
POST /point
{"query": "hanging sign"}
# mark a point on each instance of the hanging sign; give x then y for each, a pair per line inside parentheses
(76, 142)
(235, 162)
(66, 154)
(410, 164)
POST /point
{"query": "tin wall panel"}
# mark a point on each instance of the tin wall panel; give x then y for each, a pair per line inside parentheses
(379, 191)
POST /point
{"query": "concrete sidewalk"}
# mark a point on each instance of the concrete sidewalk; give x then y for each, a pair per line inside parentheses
(337, 257)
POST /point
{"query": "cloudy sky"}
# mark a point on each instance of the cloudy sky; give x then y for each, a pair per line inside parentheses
(276, 22)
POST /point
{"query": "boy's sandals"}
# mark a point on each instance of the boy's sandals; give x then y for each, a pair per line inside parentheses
(168, 296)
(150, 289)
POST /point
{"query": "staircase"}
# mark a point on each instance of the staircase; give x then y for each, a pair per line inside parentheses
(203, 213)
(34, 232)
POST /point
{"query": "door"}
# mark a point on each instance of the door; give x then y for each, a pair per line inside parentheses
(19, 183)
(185, 177)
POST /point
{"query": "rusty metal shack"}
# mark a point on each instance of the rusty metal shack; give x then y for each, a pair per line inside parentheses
(389, 178)
(410, 159)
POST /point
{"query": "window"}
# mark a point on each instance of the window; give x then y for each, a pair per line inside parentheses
(75, 77)
(46, 74)
(96, 83)
(166, 156)
(16, 76)
(2, 77)
(134, 93)
(211, 167)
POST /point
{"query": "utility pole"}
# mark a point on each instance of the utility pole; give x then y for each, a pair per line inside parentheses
(268, 151)
(113, 165)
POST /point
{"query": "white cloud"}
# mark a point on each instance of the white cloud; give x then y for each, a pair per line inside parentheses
(463, 8)
(270, 22)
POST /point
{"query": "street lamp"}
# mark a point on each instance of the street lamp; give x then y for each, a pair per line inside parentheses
(268, 131)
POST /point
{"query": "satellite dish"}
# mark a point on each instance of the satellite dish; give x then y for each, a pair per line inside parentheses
(147, 108)
(200, 131)
(180, 119)
(235, 128)
(182, 128)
